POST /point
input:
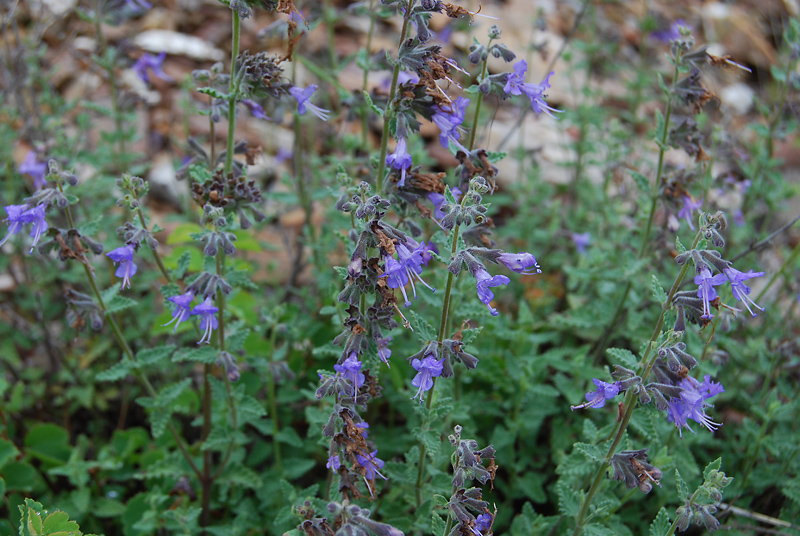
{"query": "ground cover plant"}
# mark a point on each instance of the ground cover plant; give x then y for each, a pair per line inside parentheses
(398, 267)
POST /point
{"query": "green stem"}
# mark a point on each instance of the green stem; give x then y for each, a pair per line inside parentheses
(607, 333)
(479, 100)
(127, 349)
(630, 398)
(112, 81)
(156, 256)
(386, 114)
(674, 525)
(273, 405)
(365, 109)
(232, 95)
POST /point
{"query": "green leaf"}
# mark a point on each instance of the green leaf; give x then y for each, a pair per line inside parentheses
(679, 246)
(372, 104)
(424, 331)
(568, 499)
(7, 451)
(683, 489)
(211, 92)
(661, 524)
(626, 357)
(658, 291)
(182, 234)
(48, 442)
(116, 372)
(439, 500)
(203, 354)
(240, 278)
(593, 452)
(150, 356)
(641, 181)
(449, 197)
(59, 522)
(183, 264)
(713, 466)
(437, 525)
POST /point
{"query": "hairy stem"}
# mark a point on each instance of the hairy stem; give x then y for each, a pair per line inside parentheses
(156, 255)
(479, 100)
(386, 114)
(232, 95)
(365, 110)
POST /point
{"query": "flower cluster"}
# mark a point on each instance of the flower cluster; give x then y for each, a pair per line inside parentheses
(20, 215)
(516, 85)
(466, 505)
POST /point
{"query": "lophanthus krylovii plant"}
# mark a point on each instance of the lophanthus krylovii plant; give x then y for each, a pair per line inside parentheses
(175, 381)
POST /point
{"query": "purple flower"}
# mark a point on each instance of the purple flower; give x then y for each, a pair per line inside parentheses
(706, 289)
(371, 464)
(522, 263)
(484, 281)
(740, 290)
(333, 463)
(483, 523)
(148, 62)
(384, 352)
(364, 429)
(208, 319)
(35, 169)
(516, 85)
(426, 250)
(400, 159)
(255, 109)
(303, 104)
(282, 155)
(351, 370)
(689, 206)
(19, 216)
(673, 33)
(581, 241)
(438, 200)
(400, 273)
(597, 398)
(449, 122)
(127, 268)
(182, 311)
(427, 369)
(138, 5)
(692, 403)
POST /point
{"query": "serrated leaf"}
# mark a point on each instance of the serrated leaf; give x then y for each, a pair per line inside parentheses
(203, 354)
(59, 521)
(439, 500)
(660, 525)
(183, 264)
(625, 357)
(116, 372)
(683, 489)
(679, 246)
(371, 104)
(423, 330)
(437, 525)
(713, 466)
(119, 303)
(243, 476)
(241, 279)
(449, 197)
(150, 356)
(658, 291)
(593, 452)
(641, 181)
(568, 499)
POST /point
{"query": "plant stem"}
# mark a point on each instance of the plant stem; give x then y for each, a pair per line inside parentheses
(479, 100)
(127, 349)
(392, 93)
(273, 405)
(231, 95)
(607, 333)
(112, 81)
(156, 256)
(674, 525)
(630, 398)
(365, 109)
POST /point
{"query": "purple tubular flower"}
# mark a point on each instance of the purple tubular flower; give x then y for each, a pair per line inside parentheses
(483, 523)
(138, 5)
(689, 206)
(351, 370)
(581, 241)
(182, 311)
(426, 250)
(303, 104)
(516, 85)
(333, 463)
(673, 33)
(148, 62)
(400, 273)
(365, 428)
(438, 200)
(17, 217)
(208, 319)
(597, 398)
(522, 263)
(692, 403)
(449, 123)
(384, 352)
(127, 268)
(706, 289)
(740, 290)
(35, 169)
(427, 369)
(255, 109)
(400, 159)
(36, 217)
(371, 464)
(484, 281)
